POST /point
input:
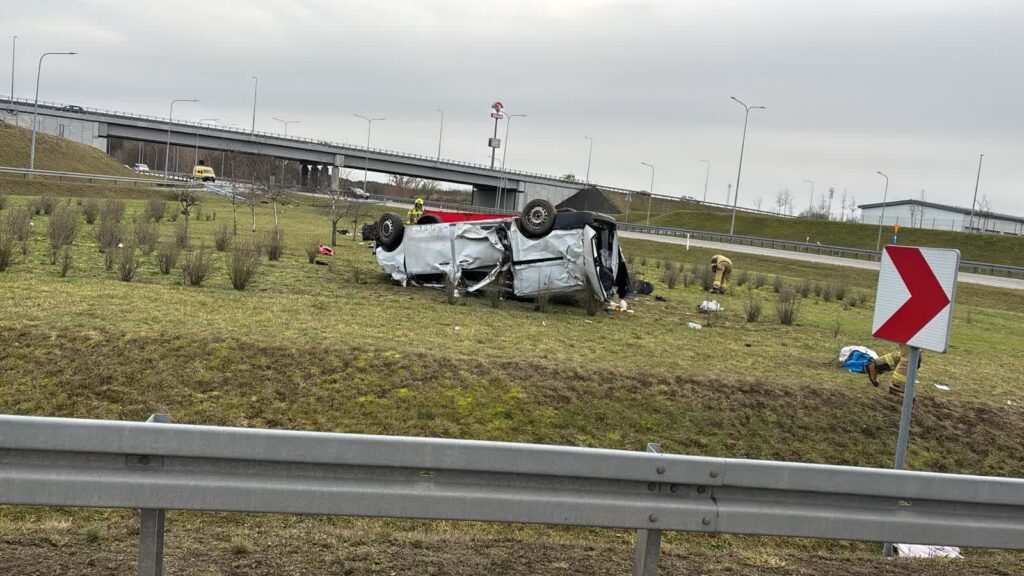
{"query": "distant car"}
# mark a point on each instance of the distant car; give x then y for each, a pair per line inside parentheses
(538, 252)
(140, 168)
(73, 108)
(360, 193)
(204, 173)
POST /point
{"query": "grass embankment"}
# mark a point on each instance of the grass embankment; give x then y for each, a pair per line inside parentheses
(54, 153)
(976, 247)
(341, 348)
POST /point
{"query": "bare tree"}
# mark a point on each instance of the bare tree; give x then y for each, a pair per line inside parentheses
(842, 206)
(984, 211)
(784, 201)
(187, 198)
(921, 215)
(340, 208)
(758, 202)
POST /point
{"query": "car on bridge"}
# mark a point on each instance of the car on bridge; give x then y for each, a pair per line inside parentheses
(73, 108)
(536, 253)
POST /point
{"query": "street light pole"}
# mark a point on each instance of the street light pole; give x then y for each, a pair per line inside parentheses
(590, 155)
(255, 88)
(170, 118)
(739, 171)
(440, 135)
(881, 221)
(198, 130)
(970, 227)
(366, 162)
(707, 174)
(35, 111)
(504, 155)
(650, 193)
(286, 123)
(14, 50)
(810, 205)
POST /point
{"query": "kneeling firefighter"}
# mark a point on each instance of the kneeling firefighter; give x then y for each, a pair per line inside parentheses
(416, 211)
(897, 363)
(722, 268)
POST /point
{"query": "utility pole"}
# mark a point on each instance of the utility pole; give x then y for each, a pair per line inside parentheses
(831, 193)
(255, 88)
(286, 123)
(494, 143)
(35, 110)
(707, 174)
(14, 50)
(739, 171)
(590, 155)
(199, 130)
(970, 226)
(650, 193)
(170, 118)
(504, 154)
(366, 161)
(881, 221)
(440, 135)
(810, 205)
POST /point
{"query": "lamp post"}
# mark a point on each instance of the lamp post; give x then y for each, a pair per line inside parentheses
(810, 205)
(170, 118)
(286, 123)
(739, 171)
(255, 88)
(650, 193)
(35, 111)
(707, 174)
(223, 154)
(504, 155)
(366, 163)
(881, 221)
(14, 50)
(440, 135)
(198, 130)
(970, 227)
(590, 155)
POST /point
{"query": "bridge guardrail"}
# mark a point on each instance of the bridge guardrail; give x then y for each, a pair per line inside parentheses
(157, 466)
(61, 176)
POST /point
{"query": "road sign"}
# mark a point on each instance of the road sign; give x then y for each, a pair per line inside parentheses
(914, 302)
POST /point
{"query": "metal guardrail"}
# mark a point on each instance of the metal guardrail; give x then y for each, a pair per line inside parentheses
(156, 466)
(988, 268)
(61, 176)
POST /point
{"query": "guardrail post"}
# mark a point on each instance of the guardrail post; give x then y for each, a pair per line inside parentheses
(648, 542)
(151, 529)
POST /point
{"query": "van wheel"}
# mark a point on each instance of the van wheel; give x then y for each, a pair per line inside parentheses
(390, 230)
(538, 218)
(429, 219)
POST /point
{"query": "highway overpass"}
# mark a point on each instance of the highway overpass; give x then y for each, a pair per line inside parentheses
(320, 159)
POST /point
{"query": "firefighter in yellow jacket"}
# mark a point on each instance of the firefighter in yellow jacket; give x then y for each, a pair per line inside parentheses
(897, 363)
(416, 211)
(722, 268)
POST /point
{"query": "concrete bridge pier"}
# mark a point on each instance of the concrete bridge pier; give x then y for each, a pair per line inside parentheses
(304, 175)
(339, 161)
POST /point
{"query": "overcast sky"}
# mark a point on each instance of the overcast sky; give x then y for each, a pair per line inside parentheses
(917, 89)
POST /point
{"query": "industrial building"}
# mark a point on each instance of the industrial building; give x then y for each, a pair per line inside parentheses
(921, 214)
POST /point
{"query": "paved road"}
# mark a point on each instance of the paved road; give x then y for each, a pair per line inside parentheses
(983, 279)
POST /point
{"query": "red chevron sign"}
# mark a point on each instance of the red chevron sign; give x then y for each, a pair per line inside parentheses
(916, 287)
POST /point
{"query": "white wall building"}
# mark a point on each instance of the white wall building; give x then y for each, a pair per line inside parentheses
(921, 214)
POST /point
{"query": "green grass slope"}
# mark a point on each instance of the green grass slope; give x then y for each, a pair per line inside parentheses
(54, 153)
(977, 247)
(342, 348)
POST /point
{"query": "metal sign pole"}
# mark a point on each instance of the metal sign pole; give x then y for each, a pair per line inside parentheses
(908, 407)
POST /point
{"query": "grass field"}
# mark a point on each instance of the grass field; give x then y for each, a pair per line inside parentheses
(341, 348)
(54, 153)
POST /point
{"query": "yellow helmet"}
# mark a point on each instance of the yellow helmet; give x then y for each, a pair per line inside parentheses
(419, 201)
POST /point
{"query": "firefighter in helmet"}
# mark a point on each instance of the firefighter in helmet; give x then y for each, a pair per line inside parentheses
(416, 211)
(722, 268)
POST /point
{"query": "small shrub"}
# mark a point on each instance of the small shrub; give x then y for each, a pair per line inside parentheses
(273, 243)
(243, 260)
(753, 308)
(357, 276)
(91, 210)
(65, 262)
(156, 208)
(589, 301)
(6, 248)
(543, 297)
(127, 263)
(19, 224)
(47, 204)
(787, 307)
(195, 267)
(805, 288)
(778, 282)
(858, 298)
(705, 277)
(167, 257)
(631, 261)
(839, 289)
(834, 328)
(108, 235)
(312, 247)
(147, 235)
(742, 277)
(826, 292)
(222, 238)
(671, 274)
(181, 236)
(3, 201)
(760, 280)
(643, 261)
(113, 209)
(63, 228)
(35, 207)
(109, 259)
(173, 216)
(818, 289)
(657, 264)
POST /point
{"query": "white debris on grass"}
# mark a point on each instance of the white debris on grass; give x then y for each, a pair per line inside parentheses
(942, 387)
(694, 325)
(711, 306)
(925, 551)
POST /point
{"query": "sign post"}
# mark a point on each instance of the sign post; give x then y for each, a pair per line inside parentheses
(914, 306)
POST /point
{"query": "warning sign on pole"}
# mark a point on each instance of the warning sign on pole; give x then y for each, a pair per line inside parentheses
(914, 302)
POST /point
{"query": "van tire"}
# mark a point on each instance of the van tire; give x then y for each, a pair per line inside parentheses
(429, 219)
(538, 218)
(390, 230)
